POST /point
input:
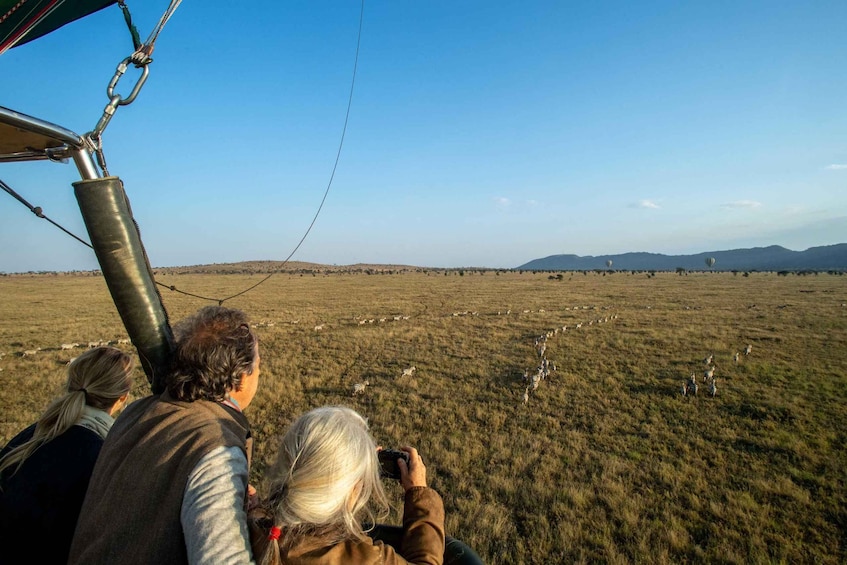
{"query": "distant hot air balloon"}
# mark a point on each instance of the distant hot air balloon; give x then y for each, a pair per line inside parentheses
(710, 261)
(609, 263)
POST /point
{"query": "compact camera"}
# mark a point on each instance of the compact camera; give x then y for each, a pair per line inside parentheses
(388, 466)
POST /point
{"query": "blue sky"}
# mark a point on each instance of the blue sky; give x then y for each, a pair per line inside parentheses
(480, 134)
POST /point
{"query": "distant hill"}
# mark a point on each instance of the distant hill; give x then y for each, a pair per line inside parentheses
(773, 258)
(267, 267)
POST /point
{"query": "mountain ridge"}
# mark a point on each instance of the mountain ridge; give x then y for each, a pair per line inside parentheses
(770, 258)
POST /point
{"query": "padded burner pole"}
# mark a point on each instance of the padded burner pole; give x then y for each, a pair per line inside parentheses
(123, 261)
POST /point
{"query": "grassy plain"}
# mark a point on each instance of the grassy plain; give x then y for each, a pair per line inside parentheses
(607, 462)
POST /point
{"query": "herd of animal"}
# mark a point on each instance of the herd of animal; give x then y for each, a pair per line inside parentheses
(690, 386)
(359, 388)
(545, 367)
(70, 347)
(531, 380)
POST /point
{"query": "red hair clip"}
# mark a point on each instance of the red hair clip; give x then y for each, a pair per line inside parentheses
(275, 533)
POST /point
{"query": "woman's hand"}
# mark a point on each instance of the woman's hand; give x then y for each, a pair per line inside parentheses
(413, 474)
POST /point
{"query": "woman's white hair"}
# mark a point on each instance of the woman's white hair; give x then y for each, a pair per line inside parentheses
(326, 473)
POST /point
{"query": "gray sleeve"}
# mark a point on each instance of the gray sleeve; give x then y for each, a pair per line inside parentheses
(213, 518)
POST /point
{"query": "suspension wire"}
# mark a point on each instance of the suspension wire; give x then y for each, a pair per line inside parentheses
(142, 53)
(174, 4)
(38, 211)
(331, 177)
(154, 35)
(175, 289)
(343, 133)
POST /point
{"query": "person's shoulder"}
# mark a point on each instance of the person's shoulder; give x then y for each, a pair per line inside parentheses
(64, 461)
(135, 411)
(199, 408)
(81, 435)
(24, 436)
(142, 403)
(76, 443)
(214, 415)
(365, 552)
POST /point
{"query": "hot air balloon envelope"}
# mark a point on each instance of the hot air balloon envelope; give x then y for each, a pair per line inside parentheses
(710, 261)
(21, 22)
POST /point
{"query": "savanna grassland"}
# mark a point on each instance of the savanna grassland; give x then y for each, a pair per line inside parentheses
(606, 462)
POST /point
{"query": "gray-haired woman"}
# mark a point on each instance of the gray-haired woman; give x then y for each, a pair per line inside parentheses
(326, 473)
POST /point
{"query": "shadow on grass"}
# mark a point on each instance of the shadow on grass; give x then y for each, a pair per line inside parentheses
(761, 412)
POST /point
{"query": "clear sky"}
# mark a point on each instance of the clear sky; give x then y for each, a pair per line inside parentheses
(481, 133)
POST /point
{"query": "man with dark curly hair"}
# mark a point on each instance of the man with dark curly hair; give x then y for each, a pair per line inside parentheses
(170, 485)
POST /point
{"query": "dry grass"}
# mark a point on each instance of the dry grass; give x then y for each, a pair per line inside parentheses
(606, 463)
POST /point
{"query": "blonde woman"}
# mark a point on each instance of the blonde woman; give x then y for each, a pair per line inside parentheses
(45, 469)
(326, 474)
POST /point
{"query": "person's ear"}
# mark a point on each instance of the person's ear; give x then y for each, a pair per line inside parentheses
(119, 404)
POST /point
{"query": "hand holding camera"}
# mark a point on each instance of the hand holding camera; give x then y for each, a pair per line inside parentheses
(388, 466)
(404, 464)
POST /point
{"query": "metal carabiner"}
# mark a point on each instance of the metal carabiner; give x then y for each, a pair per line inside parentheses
(122, 66)
(116, 100)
